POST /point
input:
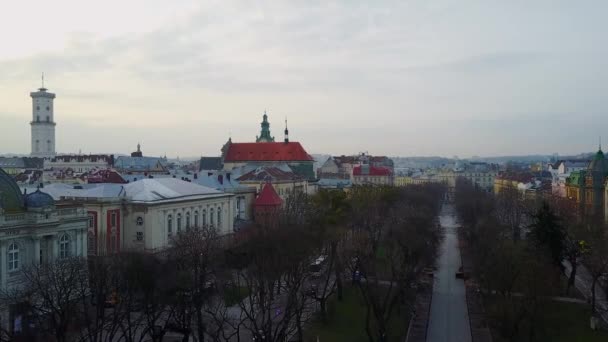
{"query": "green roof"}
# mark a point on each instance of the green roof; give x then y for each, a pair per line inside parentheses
(10, 195)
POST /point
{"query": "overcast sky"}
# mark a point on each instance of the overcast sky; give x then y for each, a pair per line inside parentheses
(424, 77)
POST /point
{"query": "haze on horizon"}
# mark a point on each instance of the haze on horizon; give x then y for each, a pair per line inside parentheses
(437, 78)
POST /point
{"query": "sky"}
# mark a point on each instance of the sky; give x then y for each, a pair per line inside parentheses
(400, 78)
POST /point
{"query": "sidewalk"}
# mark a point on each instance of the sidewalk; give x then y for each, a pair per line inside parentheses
(583, 283)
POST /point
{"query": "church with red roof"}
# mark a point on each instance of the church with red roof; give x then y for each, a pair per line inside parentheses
(266, 152)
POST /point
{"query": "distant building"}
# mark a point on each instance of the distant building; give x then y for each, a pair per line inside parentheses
(139, 165)
(34, 229)
(266, 152)
(372, 175)
(341, 167)
(16, 165)
(284, 181)
(478, 173)
(587, 187)
(43, 123)
(560, 171)
(79, 163)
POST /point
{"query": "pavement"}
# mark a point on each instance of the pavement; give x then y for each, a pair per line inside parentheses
(449, 318)
(583, 282)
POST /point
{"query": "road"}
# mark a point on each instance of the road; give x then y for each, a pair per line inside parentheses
(449, 318)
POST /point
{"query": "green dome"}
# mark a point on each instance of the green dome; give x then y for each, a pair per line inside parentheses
(599, 165)
(10, 194)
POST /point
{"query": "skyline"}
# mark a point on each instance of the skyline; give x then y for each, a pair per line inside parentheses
(401, 79)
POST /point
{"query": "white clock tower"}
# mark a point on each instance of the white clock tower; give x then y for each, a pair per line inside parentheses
(43, 123)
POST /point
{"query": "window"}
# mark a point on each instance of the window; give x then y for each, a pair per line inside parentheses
(64, 246)
(211, 217)
(169, 225)
(37, 107)
(188, 221)
(113, 219)
(139, 236)
(91, 244)
(13, 257)
(48, 145)
(179, 222)
(195, 219)
(37, 118)
(47, 118)
(204, 218)
(91, 221)
(219, 217)
(139, 221)
(48, 108)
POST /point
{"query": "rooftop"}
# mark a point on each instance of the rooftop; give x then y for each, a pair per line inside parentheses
(266, 151)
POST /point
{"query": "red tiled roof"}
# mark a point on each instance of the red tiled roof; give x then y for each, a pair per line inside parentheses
(268, 197)
(270, 151)
(373, 171)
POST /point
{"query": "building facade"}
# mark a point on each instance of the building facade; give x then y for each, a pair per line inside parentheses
(587, 187)
(34, 229)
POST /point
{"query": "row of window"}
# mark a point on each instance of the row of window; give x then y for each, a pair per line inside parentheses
(195, 220)
(13, 252)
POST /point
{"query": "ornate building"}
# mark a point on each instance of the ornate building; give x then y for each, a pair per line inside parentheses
(34, 229)
(42, 124)
(587, 187)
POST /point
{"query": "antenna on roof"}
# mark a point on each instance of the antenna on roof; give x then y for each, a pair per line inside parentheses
(43, 79)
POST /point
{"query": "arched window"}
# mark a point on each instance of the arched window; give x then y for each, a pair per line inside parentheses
(188, 220)
(169, 225)
(140, 221)
(196, 219)
(179, 222)
(64, 246)
(211, 217)
(13, 257)
(219, 217)
(204, 218)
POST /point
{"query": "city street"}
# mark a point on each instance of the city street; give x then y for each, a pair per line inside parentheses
(449, 319)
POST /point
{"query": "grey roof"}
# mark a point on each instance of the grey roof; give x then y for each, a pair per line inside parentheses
(210, 163)
(219, 180)
(98, 190)
(159, 189)
(126, 163)
(334, 183)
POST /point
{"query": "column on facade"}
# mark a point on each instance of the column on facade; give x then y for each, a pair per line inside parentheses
(84, 247)
(4, 265)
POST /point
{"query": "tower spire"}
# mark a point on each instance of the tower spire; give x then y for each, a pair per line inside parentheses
(600, 139)
(286, 131)
(43, 79)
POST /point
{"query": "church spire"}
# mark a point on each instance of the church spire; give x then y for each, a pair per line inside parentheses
(265, 132)
(286, 132)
